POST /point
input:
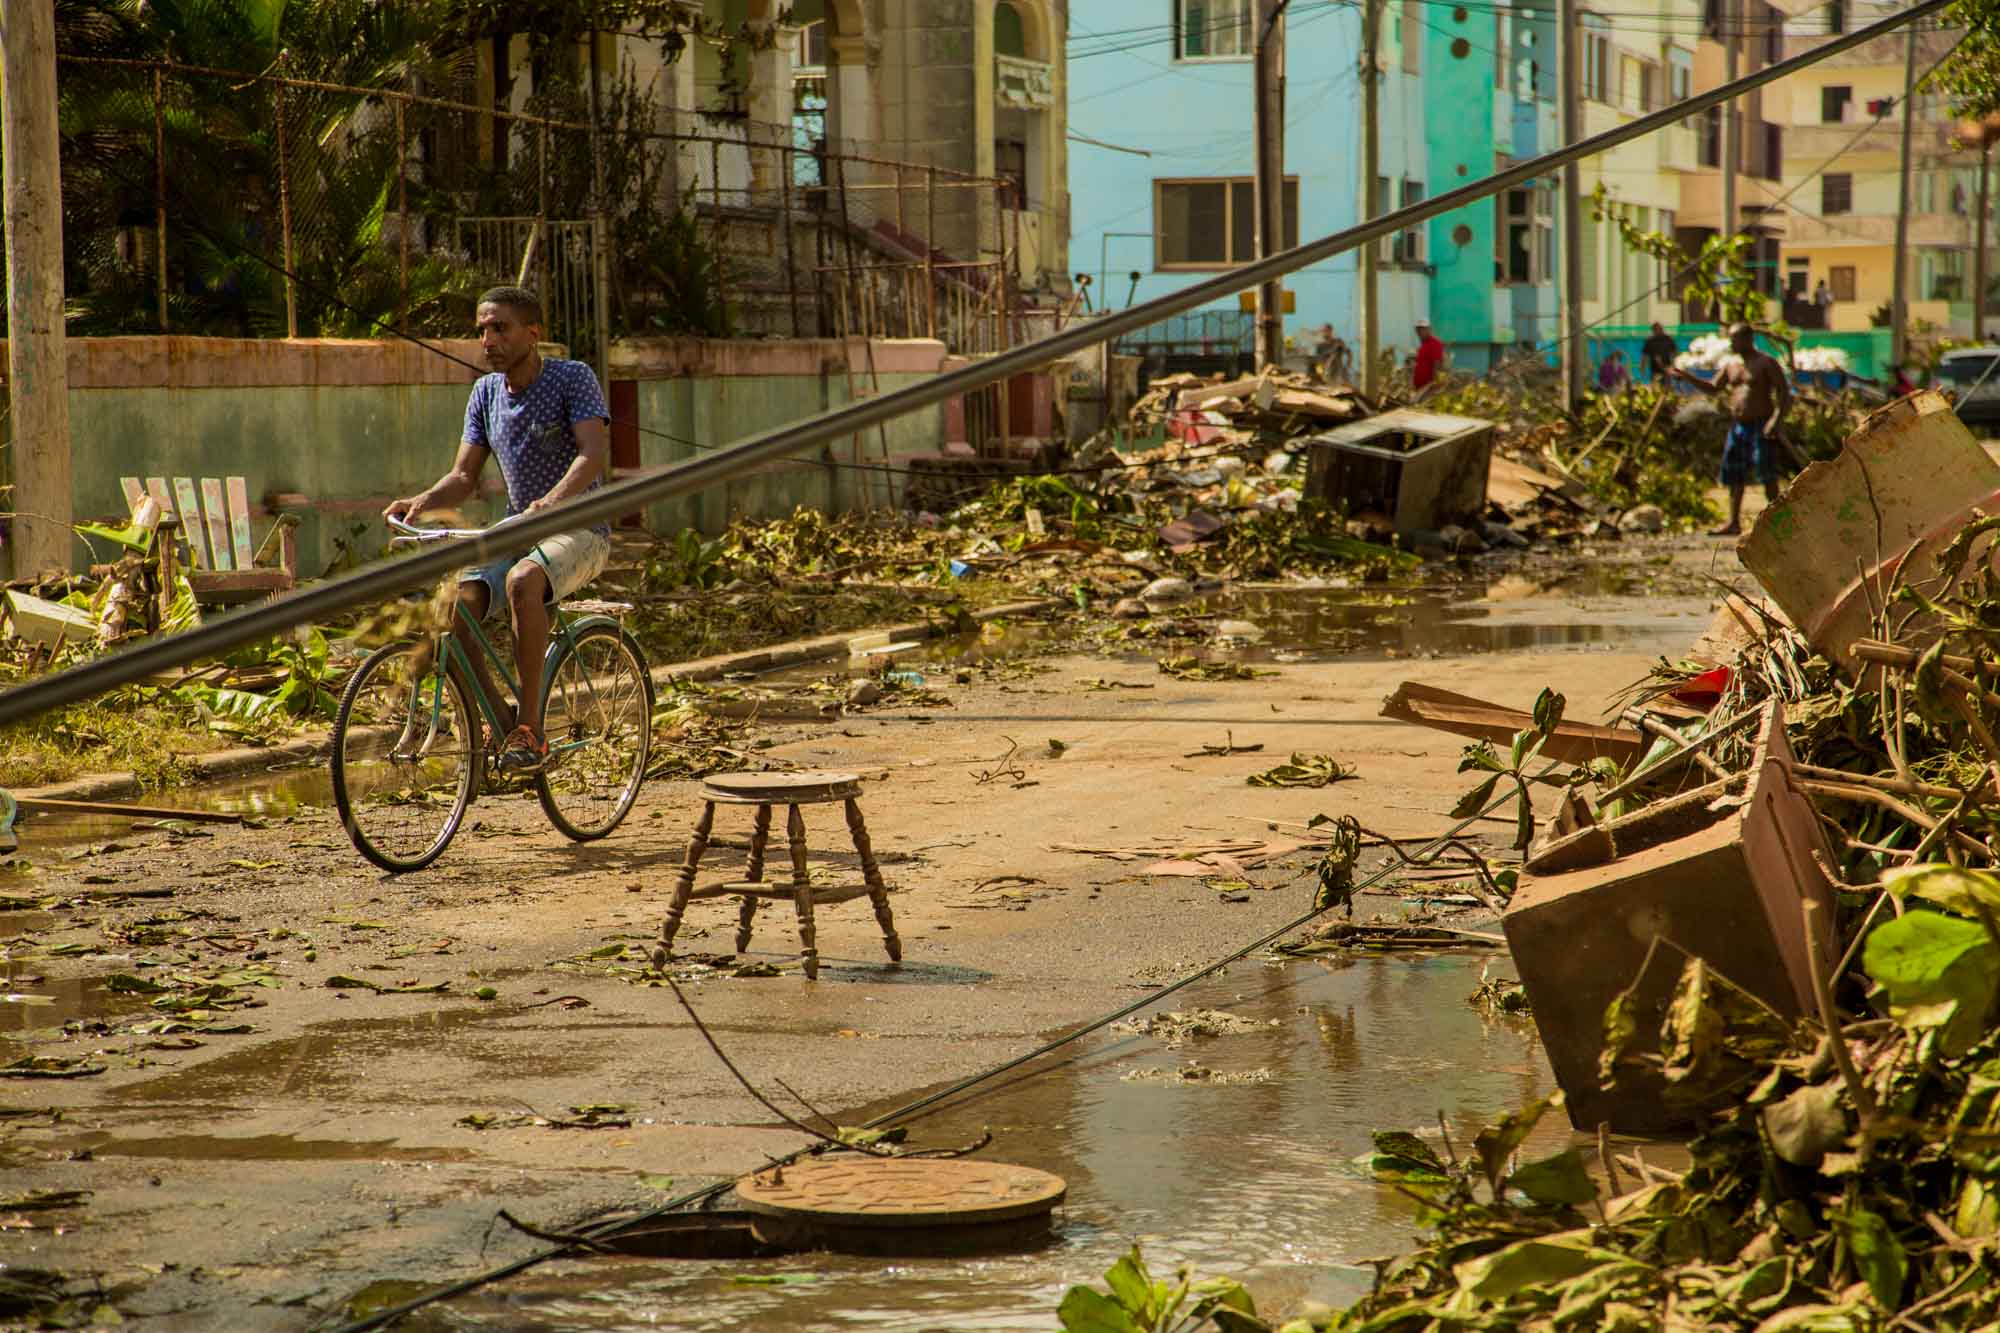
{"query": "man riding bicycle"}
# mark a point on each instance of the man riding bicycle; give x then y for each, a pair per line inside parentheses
(545, 419)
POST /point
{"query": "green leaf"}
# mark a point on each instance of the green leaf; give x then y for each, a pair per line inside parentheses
(1475, 800)
(1939, 971)
(1132, 1284)
(660, 1183)
(1403, 1158)
(1541, 1262)
(1524, 819)
(1087, 1310)
(1963, 892)
(1806, 1125)
(1498, 1142)
(1548, 711)
(1878, 1255)
(1482, 757)
(1561, 1179)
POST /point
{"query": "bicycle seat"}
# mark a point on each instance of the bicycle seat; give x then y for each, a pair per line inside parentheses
(591, 606)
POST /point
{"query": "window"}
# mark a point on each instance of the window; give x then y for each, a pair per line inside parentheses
(1410, 241)
(1941, 275)
(810, 53)
(1207, 224)
(1680, 74)
(1774, 34)
(1836, 192)
(1413, 37)
(1596, 58)
(1010, 164)
(1836, 16)
(1010, 35)
(1708, 148)
(1796, 276)
(1213, 29)
(1841, 279)
(1524, 236)
(1834, 100)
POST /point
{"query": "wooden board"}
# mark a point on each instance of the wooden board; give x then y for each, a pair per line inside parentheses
(216, 519)
(187, 506)
(1463, 715)
(52, 623)
(157, 488)
(239, 522)
(135, 494)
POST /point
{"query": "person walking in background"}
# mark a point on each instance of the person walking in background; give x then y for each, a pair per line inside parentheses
(1659, 352)
(1612, 377)
(1823, 302)
(1429, 360)
(1330, 355)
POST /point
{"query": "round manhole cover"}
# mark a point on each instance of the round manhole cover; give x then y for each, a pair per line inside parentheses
(896, 1192)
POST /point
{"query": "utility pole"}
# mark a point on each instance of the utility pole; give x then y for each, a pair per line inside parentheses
(1732, 120)
(1371, 189)
(1979, 226)
(1569, 78)
(37, 361)
(1270, 185)
(1899, 300)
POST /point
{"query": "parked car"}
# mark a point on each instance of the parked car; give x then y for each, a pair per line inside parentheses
(1974, 379)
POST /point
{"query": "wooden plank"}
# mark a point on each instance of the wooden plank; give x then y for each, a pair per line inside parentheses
(1463, 715)
(135, 494)
(51, 623)
(239, 522)
(188, 507)
(216, 519)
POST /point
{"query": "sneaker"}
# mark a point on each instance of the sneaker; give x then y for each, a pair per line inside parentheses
(524, 752)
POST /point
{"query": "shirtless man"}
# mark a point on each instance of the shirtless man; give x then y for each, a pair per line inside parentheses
(1760, 394)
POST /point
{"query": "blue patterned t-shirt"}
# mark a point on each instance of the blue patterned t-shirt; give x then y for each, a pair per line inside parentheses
(533, 433)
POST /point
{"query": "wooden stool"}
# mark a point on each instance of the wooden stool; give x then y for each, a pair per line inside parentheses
(765, 790)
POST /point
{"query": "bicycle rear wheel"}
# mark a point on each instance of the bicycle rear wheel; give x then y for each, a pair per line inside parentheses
(406, 756)
(597, 713)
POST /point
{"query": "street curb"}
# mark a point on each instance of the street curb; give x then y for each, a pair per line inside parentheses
(246, 759)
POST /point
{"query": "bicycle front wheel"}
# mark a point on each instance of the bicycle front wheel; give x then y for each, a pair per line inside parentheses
(406, 756)
(597, 713)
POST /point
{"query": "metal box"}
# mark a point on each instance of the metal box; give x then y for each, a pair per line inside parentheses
(1420, 470)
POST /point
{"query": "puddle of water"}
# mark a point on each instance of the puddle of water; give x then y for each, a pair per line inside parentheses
(262, 1148)
(284, 791)
(1253, 1179)
(74, 998)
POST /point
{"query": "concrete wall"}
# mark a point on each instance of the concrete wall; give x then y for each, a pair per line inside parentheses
(348, 425)
(691, 396)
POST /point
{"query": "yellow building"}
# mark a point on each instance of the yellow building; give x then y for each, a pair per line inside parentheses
(1843, 145)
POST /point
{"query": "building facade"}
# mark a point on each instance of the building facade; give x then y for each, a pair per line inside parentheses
(1843, 152)
(1161, 122)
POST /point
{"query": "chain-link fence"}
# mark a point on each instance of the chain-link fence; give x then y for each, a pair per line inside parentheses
(214, 201)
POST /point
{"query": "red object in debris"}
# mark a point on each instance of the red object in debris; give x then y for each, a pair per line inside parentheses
(1704, 691)
(1194, 427)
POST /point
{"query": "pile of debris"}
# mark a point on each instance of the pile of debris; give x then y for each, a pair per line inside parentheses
(1764, 911)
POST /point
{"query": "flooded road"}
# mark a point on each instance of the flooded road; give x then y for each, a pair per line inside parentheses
(1255, 1179)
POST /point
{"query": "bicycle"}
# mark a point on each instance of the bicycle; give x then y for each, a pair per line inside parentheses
(409, 755)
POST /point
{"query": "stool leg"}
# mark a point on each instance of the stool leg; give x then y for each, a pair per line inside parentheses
(684, 885)
(878, 892)
(802, 894)
(760, 838)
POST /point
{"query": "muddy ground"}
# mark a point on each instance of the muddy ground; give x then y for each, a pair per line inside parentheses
(257, 1179)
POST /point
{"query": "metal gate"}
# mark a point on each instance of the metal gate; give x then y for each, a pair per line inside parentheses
(557, 261)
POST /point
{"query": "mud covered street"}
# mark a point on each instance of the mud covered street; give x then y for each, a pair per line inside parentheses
(274, 1080)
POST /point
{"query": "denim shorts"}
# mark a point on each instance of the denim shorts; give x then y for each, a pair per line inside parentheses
(570, 559)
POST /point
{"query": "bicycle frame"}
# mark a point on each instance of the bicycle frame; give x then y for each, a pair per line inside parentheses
(563, 631)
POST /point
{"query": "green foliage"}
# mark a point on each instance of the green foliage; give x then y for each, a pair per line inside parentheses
(1525, 748)
(1137, 1302)
(1718, 275)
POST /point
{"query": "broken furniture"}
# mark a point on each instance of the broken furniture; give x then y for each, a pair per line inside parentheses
(1848, 529)
(1419, 470)
(1619, 909)
(223, 565)
(792, 790)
